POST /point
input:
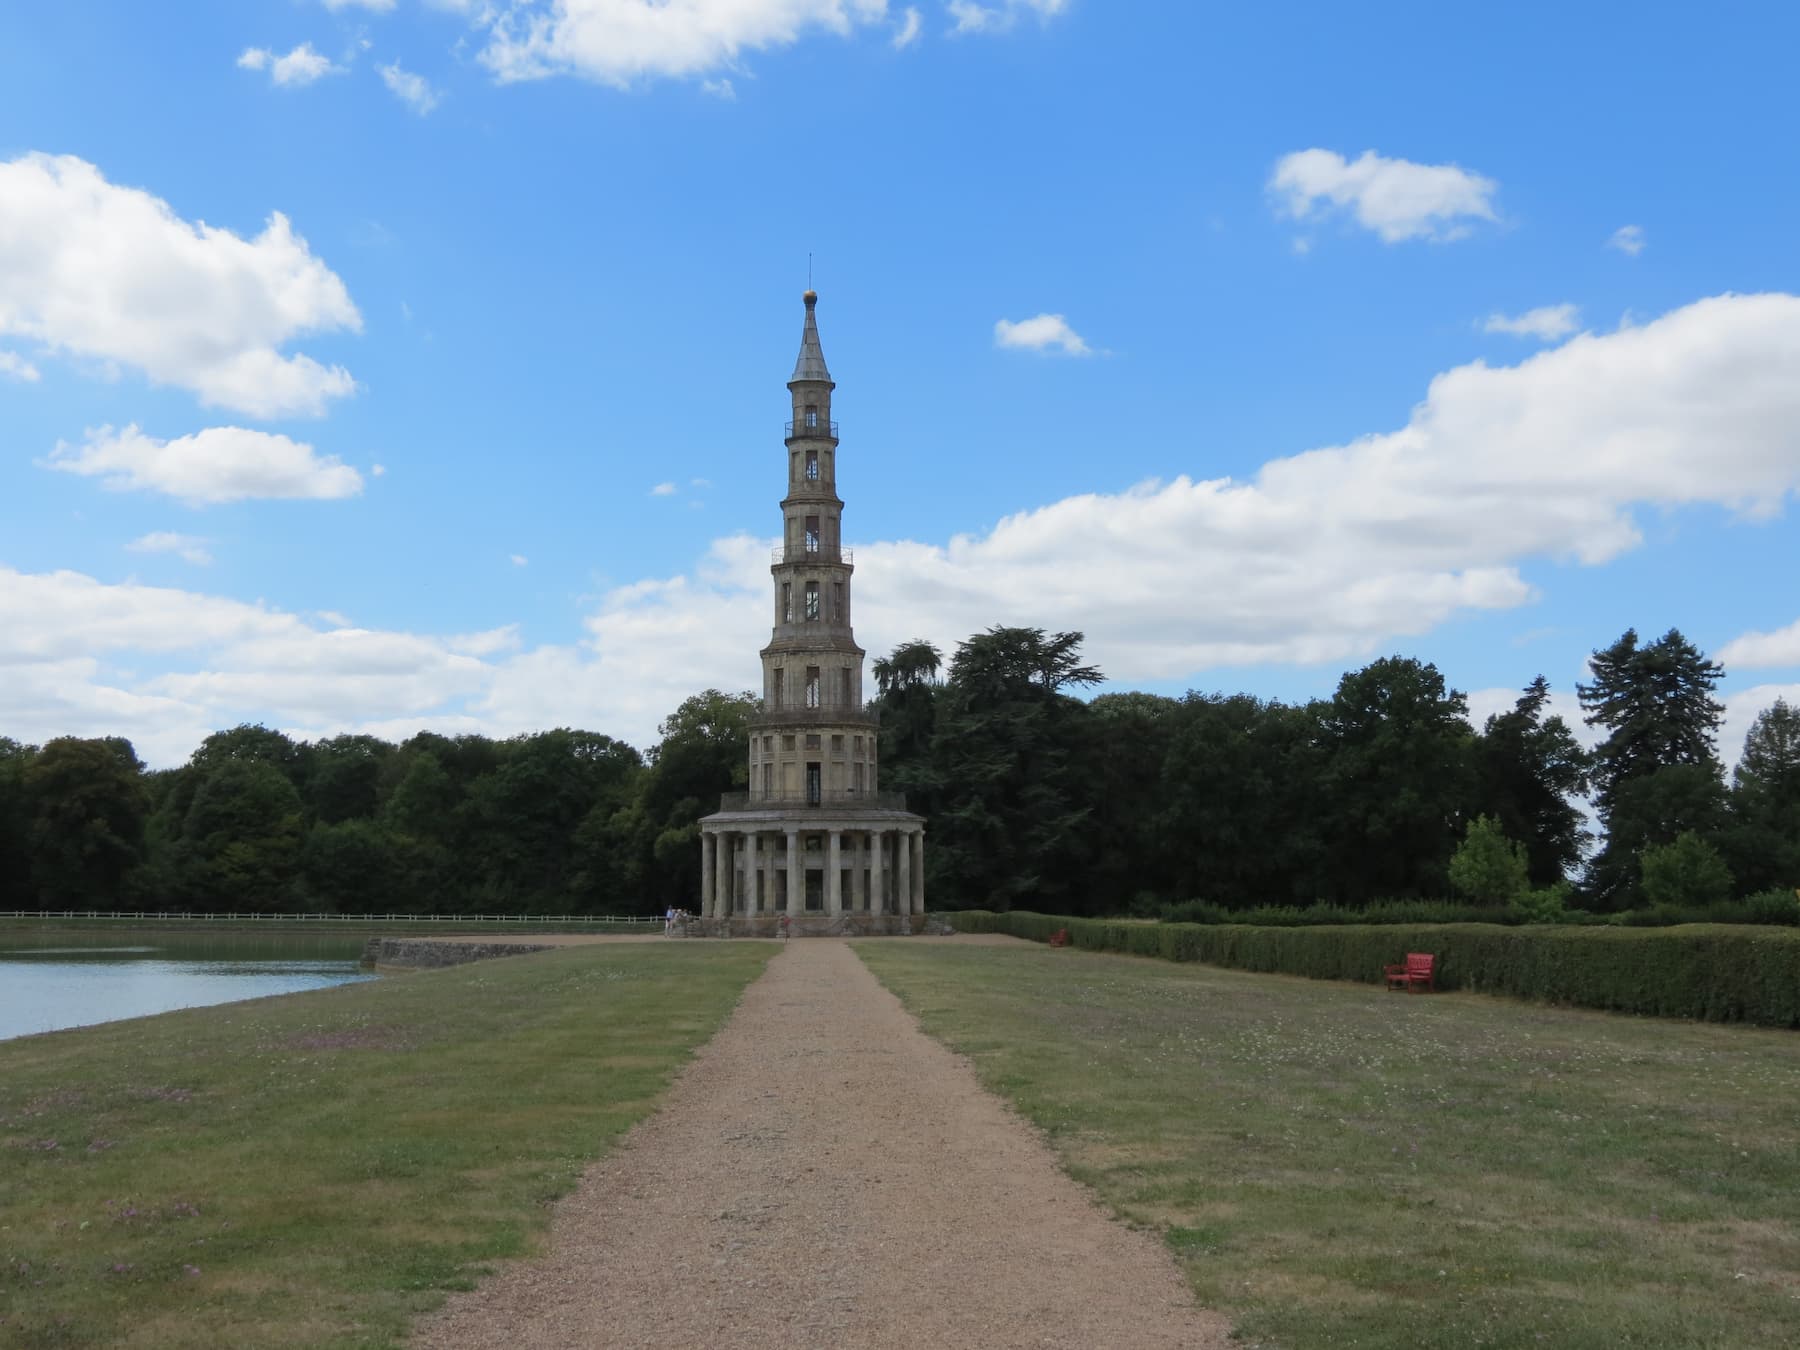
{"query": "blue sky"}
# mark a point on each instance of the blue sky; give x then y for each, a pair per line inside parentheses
(382, 364)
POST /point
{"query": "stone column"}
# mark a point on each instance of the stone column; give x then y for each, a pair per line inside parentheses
(877, 855)
(903, 886)
(918, 891)
(721, 882)
(767, 843)
(859, 879)
(834, 896)
(709, 850)
(796, 883)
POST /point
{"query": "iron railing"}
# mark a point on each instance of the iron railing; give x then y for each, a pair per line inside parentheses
(847, 799)
(799, 553)
(805, 428)
(831, 716)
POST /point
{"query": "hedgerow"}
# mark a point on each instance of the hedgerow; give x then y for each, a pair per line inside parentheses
(1710, 972)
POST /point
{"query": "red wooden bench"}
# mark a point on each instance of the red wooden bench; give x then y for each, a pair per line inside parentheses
(1060, 938)
(1420, 968)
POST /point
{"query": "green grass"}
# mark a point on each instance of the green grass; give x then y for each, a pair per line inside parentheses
(316, 1169)
(1334, 1165)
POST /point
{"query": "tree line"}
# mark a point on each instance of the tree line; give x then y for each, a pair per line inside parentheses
(1035, 797)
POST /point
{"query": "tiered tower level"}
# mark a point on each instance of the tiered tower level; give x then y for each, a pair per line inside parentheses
(813, 837)
(814, 741)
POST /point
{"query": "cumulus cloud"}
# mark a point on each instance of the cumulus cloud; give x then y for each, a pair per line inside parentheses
(1628, 239)
(220, 464)
(185, 546)
(721, 89)
(412, 90)
(623, 42)
(16, 367)
(519, 559)
(297, 69)
(378, 6)
(1779, 648)
(1325, 557)
(908, 31)
(1546, 323)
(1395, 198)
(113, 274)
(972, 17)
(664, 490)
(1041, 333)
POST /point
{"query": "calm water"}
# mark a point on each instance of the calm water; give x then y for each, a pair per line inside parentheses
(60, 980)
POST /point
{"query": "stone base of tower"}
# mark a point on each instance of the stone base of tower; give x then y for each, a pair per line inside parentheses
(837, 869)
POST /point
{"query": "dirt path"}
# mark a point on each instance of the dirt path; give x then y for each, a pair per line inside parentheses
(826, 1175)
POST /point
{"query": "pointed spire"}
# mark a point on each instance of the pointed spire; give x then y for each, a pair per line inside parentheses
(811, 365)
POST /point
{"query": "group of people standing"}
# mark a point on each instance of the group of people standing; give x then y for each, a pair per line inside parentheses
(673, 917)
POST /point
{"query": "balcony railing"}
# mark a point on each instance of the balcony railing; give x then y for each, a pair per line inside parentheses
(829, 715)
(755, 801)
(818, 554)
(814, 428)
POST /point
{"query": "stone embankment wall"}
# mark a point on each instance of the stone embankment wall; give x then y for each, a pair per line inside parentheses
(425, 954)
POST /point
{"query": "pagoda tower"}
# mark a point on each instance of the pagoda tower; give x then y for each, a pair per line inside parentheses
(814, 837)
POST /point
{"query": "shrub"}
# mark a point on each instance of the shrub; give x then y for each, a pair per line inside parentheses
(1707, 971)
(1487, 866)
(1546, 904)
(1688, 871)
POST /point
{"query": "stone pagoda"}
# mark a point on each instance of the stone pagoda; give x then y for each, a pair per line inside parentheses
(814, 837)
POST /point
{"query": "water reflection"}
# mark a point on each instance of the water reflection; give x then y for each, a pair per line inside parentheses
(52, 981)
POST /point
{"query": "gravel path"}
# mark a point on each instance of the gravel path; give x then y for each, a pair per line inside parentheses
(826, 1175)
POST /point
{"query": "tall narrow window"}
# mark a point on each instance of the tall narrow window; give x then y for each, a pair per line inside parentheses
(769, 778)
(812, 686)
(814, 785)
(812, 534)
(812, 602)
(787, 602)
(849, 699)
(779, 673)
(856, 775)
(812, 415)
(812, 466)
(837, 603)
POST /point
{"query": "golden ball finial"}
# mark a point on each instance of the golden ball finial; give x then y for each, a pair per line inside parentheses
(811, 298)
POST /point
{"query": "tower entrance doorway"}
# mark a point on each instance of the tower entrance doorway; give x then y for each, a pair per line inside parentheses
(815, 888)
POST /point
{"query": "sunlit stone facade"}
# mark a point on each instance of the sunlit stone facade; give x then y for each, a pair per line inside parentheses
(814, 836)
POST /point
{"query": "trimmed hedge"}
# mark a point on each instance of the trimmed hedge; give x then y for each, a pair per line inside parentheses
(1711, 972)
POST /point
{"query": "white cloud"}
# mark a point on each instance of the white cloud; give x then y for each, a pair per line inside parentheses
(412, 90)
(1547, 322)
(1395, 198)
(185, 546)
(220, 464)
(1780, 648)
(1325, 557)
(17, 367)
(1000, 17)
(519, 559)
(379, 6)
(908, 31)
(1742, 708)
(111, 273)
(664, 490)
(622, 42)
(721, 89)
(1039, 334)
(1628, 239)
(295, 70)
(1330, 555)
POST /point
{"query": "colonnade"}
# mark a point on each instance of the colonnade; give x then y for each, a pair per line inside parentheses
(887, 871)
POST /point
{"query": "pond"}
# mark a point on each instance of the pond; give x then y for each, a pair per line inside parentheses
(55, 979)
